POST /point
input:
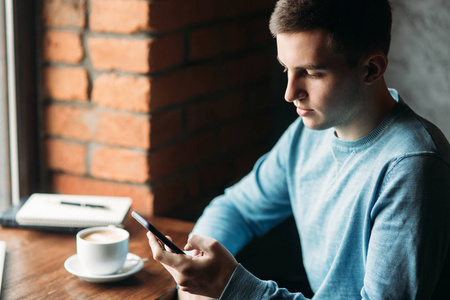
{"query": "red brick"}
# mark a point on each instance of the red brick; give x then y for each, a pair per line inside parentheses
(131, 55)
(174, 14)
(165, 161)
(181, 162)
(122, 92)
(165, 127)
(172, 159)
(244, 70)
(123, 129)
(62, 46)
(166, 52)
(167, 89)
(245, 161)
(200, 11)
(214, 110)
(233, 8)
(66, 83)
(244, 133)
(217, 174)
(136, 55)
(168, 195)
(193, 184)
(167, 15)
(178, 195)
(119, 164)
(236, 135)
(263, 5)
(119, 16)
(182, 85)
(69, 122)
(74, 185)
(261, 32)
(204, 42)
(65, 156)
(64, 13)
(236, 36)
(258, 98)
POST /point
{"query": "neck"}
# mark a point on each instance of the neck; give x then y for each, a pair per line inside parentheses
(377, 102)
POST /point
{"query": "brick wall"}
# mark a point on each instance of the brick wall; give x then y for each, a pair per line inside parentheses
(165, 101)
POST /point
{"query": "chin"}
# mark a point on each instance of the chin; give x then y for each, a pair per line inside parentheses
(315, 125)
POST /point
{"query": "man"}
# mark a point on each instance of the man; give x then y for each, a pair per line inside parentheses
(366, 179)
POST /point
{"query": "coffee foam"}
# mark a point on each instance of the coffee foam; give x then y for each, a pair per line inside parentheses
(103, 236)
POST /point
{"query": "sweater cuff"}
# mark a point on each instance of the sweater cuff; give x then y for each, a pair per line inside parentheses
(243, 285)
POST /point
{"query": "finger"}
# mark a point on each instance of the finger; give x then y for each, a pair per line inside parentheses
(194, 252)
(189, 245)
(167, 247)
(160, 254)
(199, 243)
(154, 243)
(188, 249)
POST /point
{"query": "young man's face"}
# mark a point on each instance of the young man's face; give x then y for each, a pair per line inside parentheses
(325, 89)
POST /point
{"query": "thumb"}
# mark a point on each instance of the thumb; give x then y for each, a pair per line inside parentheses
(205, 245)
(196, 242)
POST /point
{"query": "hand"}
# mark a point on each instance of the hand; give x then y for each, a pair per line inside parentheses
(187, 296)
(206, 273)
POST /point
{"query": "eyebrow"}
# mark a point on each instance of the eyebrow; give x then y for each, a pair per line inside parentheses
(307, 67)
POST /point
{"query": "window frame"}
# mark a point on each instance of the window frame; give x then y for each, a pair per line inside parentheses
(29, 112)
(22, 93)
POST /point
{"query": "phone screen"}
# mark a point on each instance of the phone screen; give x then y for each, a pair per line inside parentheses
(156, 232)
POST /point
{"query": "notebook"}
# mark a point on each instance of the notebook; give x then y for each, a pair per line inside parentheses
(72, 211)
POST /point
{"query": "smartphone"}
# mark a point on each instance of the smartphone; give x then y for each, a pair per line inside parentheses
(156, 232)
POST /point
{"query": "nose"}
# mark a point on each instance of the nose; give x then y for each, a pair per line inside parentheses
(294, 90)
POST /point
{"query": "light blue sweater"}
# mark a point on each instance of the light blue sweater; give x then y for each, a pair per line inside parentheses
(373, 215)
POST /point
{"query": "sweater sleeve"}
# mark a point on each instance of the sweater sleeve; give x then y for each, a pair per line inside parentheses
(243, 285)
(410, 234)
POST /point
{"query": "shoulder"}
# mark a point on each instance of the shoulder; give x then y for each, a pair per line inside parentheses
(423, 164)
(411, 136)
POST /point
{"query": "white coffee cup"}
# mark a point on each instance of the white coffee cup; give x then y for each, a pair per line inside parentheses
(102, 250)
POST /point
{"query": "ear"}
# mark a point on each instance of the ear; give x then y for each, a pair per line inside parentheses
(375, 66)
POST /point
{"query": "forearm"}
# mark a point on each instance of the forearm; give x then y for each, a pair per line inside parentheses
(244, 285)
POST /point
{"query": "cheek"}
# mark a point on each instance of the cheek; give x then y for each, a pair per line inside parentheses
(337, 87)
(322, 91)
(329, 95)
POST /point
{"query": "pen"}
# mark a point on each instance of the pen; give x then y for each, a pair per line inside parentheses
(82, 204)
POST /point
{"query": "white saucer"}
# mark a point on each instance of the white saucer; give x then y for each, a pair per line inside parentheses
(132, 265)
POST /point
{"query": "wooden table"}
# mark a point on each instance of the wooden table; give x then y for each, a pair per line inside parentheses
(34, 266)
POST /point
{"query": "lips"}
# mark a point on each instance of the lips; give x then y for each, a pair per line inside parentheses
(303, 108)
(304, 112)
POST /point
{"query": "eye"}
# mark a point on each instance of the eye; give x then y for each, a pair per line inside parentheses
(313, 75)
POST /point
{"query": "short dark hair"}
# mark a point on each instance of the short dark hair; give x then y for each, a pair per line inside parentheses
(355, 26)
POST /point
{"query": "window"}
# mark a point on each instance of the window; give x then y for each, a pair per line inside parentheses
(5, 161)
(19, 158)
